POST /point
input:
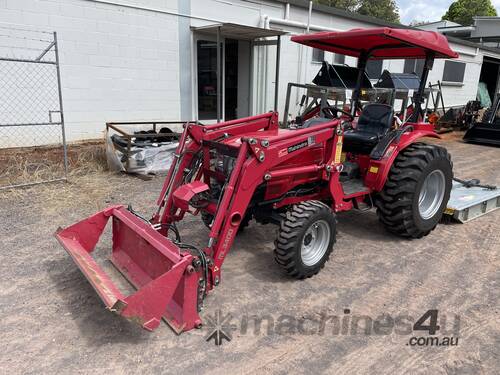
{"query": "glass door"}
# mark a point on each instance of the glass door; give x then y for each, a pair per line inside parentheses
(206, 57)
(235, 79)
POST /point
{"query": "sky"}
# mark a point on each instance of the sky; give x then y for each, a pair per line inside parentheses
(427, 10)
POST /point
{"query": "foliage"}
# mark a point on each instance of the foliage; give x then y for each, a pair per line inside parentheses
(384, 9)
(462, 11)
(349, 5)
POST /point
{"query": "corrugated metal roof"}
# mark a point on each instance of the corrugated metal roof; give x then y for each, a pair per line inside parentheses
(240, 32)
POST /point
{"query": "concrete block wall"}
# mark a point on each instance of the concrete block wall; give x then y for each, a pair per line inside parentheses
(117, 63)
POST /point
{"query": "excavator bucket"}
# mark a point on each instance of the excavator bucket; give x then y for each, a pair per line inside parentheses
(166, 281)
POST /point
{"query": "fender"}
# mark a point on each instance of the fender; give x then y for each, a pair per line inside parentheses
(378, 170)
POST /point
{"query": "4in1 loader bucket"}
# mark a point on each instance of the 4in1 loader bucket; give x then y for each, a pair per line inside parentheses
(166, 282)
(484, 133)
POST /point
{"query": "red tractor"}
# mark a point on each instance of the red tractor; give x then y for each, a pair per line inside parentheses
(297, 178)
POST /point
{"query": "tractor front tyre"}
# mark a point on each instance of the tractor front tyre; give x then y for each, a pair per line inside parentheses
(416, 191)
(305, 239)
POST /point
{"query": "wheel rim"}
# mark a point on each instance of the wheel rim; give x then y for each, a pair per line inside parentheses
(431, 194)
(315, 242)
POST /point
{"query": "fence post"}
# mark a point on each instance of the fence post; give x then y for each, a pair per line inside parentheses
(63, 129)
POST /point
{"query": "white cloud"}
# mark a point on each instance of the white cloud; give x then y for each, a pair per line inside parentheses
(427, 10)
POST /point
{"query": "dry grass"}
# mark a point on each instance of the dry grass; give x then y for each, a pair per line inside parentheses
(37, 164)
(93, 191)
(89, 181)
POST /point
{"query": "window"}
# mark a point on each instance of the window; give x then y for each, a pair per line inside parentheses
(207, 79)
(374, 68)
(318, 55)
(339, 59)
(414, 66)
(453, 71)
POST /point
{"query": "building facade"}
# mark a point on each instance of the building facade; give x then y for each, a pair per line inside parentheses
(140, 60)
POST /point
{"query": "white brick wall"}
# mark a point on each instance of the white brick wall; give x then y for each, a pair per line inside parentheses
(116, 63)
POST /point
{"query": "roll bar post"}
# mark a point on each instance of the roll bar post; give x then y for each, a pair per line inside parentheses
(418, 97)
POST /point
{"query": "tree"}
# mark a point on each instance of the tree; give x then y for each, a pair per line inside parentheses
(349, 5)
(384, 9)
(462, 11)
(417, 23)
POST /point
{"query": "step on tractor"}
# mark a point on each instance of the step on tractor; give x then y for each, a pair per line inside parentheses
(296, 177)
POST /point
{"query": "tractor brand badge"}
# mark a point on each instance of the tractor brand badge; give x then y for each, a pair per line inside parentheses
(310, 141)
(297, 146)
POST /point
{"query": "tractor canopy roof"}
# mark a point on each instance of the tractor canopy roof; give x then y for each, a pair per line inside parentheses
(380, 43)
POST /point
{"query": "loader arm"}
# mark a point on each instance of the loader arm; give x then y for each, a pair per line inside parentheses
(256, 158)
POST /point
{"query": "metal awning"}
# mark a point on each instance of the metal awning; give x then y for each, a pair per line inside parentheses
(247, 33)
(240, 32)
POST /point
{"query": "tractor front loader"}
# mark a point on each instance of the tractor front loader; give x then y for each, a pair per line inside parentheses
(296, 177)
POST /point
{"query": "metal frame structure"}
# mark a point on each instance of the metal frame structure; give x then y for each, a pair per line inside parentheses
(257, 37)
(116, 126)
(42, 57)
(337, 94)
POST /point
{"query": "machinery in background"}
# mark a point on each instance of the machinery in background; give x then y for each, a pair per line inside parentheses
(401, 87)
(472, 112)
(487, 130)
(333, 84)
(330, 86)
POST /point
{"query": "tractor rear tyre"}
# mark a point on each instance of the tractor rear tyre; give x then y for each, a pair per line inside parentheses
(305, 239)
(416, 191)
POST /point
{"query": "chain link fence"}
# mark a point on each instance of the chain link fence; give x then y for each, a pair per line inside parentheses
(32, 139)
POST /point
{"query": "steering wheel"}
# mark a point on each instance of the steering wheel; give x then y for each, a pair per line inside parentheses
(331, 112)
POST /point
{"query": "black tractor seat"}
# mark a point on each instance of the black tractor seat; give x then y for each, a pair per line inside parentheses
(373, 124)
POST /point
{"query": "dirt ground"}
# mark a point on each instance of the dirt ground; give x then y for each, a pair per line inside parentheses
(52, 321)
